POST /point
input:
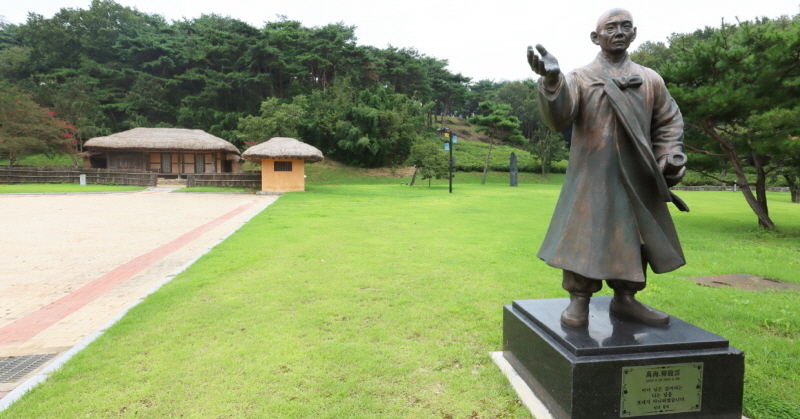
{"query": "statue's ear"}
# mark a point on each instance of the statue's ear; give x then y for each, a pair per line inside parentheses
(595, 38)
(633, 37)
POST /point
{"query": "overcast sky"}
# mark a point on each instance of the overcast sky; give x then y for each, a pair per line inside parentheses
(483, 39)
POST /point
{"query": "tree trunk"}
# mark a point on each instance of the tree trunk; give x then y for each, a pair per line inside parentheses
(445, 109)
(414, 177)
(486, 164)
(545, 160)
(544, 172)
(794, 188)
(733, 157)
(761, 186)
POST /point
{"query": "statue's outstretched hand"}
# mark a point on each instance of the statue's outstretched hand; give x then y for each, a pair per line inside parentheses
(545, 66)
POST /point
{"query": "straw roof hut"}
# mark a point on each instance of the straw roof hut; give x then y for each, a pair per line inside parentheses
(163, 150)
(283, 148)
(283, 163)
(162, 139)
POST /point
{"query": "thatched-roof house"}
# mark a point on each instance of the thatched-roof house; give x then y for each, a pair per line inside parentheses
(163, 150)
(283, 163)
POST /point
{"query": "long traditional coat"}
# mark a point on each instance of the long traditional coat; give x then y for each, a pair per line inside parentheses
(612, 216)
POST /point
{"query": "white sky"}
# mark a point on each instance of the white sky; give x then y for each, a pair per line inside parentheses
(482, 39)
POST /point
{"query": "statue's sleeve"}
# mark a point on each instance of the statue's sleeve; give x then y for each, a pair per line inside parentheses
(559, 106)
(666, 127)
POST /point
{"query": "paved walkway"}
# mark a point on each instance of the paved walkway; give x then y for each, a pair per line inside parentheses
(71, 263)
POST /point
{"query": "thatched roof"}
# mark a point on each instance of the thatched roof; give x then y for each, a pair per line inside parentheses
(161, 139)
(283, 148)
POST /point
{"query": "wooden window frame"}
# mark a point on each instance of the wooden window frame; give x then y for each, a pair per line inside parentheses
(282, 166)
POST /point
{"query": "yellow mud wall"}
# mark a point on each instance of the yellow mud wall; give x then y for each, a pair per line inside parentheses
(273, 181)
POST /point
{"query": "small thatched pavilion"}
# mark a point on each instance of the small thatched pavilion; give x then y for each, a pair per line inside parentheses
(163, 150)
(283, 163)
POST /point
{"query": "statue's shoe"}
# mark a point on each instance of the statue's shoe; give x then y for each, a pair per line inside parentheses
(629, 308)
(577, 312)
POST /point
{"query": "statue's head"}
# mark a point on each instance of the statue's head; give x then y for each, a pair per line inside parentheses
(615, 32)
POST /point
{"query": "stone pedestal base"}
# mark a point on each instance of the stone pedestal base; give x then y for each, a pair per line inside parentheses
(615, 368)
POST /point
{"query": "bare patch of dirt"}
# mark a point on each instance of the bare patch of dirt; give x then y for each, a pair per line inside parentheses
(390, 172)
(462, 133)
(744, 282)
(379, 171)
(328, 163)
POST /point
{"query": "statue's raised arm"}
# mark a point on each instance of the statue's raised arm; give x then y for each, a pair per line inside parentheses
(545, 66)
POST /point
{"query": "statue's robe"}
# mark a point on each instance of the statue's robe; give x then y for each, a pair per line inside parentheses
(612, 217)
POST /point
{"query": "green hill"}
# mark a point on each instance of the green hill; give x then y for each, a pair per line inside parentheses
(470, 151)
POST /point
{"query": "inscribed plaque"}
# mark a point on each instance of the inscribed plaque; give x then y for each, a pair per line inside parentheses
(661, 389)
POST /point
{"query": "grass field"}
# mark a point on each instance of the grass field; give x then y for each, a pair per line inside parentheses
(366, 298)
(330, 173)
(64, 188)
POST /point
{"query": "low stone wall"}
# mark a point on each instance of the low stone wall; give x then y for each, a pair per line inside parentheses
(723, 188)
(250, 180)
(66, 174)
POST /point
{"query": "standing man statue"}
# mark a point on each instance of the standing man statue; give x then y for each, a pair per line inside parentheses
(611, 219)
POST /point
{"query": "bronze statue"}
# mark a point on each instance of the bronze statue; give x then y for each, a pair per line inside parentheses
(611, 219)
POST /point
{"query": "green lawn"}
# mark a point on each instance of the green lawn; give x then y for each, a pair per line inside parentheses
(327, 173)
(64, 188)
(380, 300)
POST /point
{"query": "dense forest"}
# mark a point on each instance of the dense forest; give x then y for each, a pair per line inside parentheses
(110, 68)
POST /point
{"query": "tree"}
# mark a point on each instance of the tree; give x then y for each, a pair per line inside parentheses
(378, 128)
(450, 90)
(791, 173)
(13, 56)
(480, 91)
(27, 128)
(322, 111)
(428, 158)
(405, 70)
(548, 147)
(740, 85)
(73, 100)
(498, 125)
(327, 53)
(523, 97)
(370, 127)
(276, 120)
(651, 54)
(72, 36)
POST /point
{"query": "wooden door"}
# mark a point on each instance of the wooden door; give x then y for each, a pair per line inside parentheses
(199, 163)
(166, 163)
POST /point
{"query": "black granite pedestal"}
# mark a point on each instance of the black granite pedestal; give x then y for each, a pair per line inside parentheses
(616, 368)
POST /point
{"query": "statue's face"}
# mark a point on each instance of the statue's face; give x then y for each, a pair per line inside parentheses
(615, 32)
